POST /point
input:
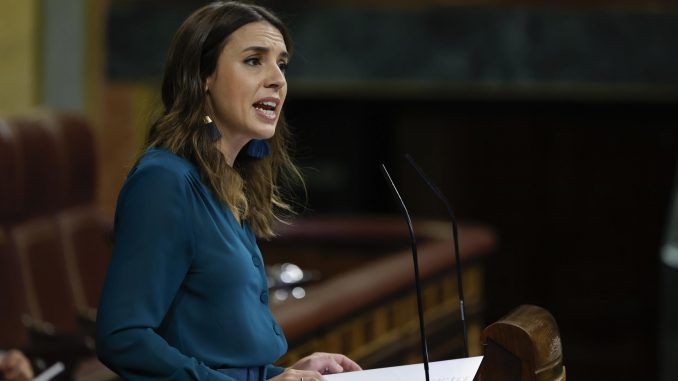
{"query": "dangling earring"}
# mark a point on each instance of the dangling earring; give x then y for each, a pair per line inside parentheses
(258, 148)
(212, 129)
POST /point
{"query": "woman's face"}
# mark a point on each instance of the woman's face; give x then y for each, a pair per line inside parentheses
(248, 87)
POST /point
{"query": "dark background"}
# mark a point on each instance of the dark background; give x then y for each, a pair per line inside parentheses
(579, 203)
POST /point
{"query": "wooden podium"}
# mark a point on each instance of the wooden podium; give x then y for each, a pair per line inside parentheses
(522, 346)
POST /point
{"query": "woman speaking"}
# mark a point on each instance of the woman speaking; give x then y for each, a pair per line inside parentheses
(185, 296)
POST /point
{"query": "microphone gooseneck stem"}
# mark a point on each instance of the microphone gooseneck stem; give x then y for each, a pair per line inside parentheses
(455, 236)
(415, 258)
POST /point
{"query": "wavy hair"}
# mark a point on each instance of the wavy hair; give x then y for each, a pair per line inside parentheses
(251, 188)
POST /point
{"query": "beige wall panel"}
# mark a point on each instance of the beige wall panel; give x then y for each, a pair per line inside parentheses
(95, 22)
(19, 52)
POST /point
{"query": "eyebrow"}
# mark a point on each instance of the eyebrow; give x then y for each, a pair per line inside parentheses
(263, 49)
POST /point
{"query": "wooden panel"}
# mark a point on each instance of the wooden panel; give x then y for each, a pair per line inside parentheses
(127, 114)
(374, 340)
(368, 310)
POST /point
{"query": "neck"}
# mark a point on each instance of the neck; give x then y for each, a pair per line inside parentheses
(228, 154)
(230, 145)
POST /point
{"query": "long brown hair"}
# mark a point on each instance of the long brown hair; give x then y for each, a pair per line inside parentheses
(252, 187)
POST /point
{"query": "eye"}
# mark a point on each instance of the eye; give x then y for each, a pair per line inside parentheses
(283, 66)
(252, 61)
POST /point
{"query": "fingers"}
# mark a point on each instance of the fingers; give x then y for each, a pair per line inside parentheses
(3, 361)
(297, 375)
(10, 363)
(334, 363)
(327, 363)
(15, 366)
(310, 375)
(324, 363)
(346, 363)
(332, 366)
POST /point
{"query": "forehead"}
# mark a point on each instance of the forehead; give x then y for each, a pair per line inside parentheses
(260, 33)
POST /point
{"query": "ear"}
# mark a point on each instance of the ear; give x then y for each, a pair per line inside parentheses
(208, 83)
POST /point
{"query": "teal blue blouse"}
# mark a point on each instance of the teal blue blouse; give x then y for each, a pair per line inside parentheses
(186, 290)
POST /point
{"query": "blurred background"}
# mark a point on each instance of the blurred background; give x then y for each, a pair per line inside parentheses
(553, 127)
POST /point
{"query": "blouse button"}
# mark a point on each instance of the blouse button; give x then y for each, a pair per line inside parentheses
(256, 261)
(276, 329)
(264, 297)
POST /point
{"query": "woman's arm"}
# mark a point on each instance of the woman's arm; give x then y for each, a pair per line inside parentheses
(151, 257)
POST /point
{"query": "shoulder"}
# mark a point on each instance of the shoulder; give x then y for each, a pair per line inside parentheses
(163, 161)
(159, 172)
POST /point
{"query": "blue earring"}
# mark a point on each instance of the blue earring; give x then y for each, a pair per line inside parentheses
(258, 148)
(212, 129)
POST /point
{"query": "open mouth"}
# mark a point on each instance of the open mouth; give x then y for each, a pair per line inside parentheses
(266, 108)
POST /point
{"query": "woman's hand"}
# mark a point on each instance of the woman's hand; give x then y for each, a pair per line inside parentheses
(326, 363)
(298, 375)
(15, 366)
(311, 368)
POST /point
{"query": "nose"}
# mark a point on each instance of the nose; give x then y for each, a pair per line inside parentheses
(275, 78)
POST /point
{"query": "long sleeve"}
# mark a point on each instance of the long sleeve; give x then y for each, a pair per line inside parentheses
(152, 256)
(272, 371)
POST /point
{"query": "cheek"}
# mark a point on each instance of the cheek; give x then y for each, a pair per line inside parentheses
(231, 98)
(283, 92)
(243, 93)
(238, 90)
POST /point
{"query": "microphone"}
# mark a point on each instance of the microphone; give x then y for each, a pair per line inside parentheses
(415, 258)
(455, 237)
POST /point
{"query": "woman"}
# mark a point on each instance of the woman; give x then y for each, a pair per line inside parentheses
(186, 296)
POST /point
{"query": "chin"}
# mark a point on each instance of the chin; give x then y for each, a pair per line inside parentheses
(264, 133)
